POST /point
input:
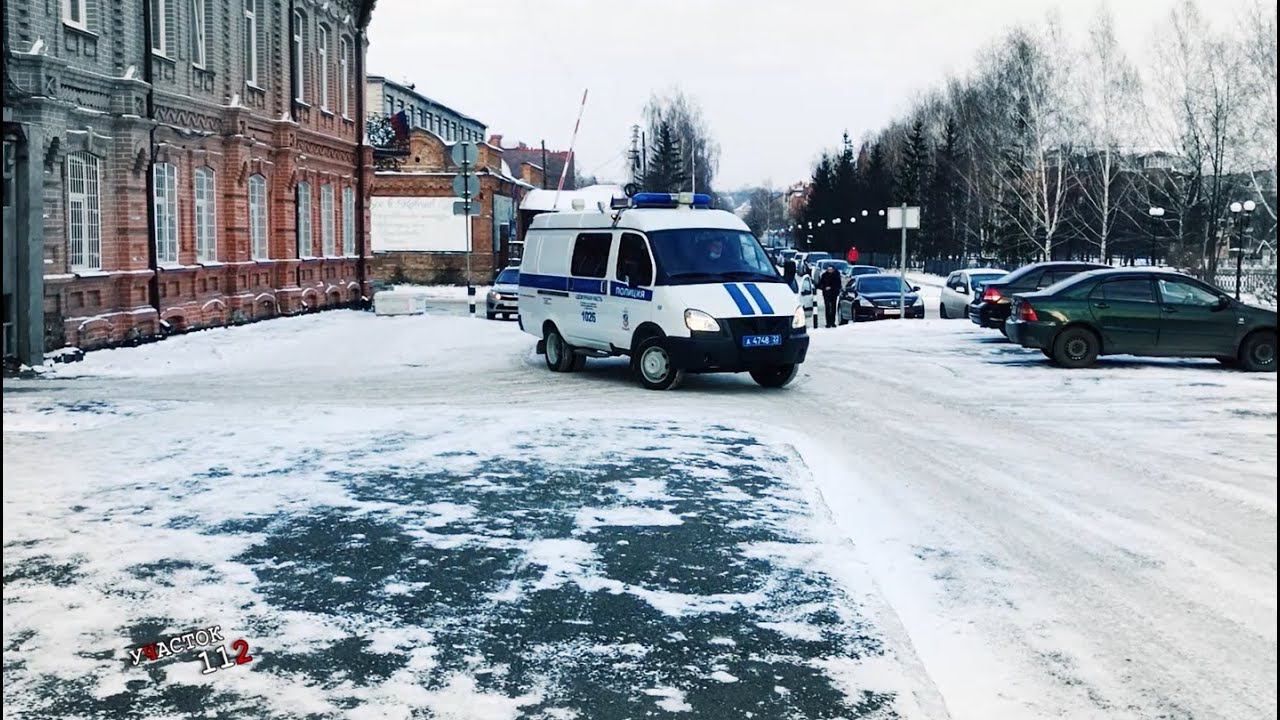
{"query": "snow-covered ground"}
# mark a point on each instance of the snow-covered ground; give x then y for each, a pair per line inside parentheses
(409, 515)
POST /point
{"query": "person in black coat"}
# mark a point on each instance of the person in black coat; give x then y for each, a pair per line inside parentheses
(829, 284)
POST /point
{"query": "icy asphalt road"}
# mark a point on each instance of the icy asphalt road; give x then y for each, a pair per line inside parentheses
(997, 538)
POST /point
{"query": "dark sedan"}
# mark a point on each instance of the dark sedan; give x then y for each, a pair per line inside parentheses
(1142, 312)
(872, 297)
(991, 307)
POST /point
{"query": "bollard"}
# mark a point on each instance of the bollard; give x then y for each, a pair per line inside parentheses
(471, 299)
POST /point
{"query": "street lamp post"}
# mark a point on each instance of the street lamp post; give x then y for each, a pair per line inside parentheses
(1241, 211)
(1156, 213)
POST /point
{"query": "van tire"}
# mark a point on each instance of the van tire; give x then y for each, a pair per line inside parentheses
(775, 376)
(559, 354)
(579, 361)
(652, 366)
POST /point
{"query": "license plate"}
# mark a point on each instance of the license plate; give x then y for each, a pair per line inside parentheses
(892, 311)
(749, 341)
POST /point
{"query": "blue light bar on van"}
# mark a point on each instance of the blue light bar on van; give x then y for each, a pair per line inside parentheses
(670, 200)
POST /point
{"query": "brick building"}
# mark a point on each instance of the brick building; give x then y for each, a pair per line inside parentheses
(552, 162)
(199, 162)
(425, 170)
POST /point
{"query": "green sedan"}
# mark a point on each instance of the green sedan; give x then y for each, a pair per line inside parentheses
(1142, 312)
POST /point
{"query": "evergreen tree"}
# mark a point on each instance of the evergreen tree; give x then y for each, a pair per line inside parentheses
(913, 172)
(665, 172)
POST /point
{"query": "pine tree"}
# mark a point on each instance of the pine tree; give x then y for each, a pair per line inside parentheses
(665, 172)
(913, 172)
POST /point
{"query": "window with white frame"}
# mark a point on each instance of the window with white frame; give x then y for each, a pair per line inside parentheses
(164, 207)
(75, 13)
(326, 219)
(322, 59)
(348, 221)
(258, 216)
(206, 215)
(198, 33)
(299, 58)
(83, 227)
(304, 220)
(251, 42)
(344, 77)
(160, 26)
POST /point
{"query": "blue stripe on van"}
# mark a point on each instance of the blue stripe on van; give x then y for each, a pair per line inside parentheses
(744, 307)
(623, 290)
(544, 282)
(765, 307)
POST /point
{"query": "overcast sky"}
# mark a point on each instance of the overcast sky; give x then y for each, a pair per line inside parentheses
(778, 81)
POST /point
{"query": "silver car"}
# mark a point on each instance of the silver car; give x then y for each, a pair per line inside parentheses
(959, 289)
(504, 297)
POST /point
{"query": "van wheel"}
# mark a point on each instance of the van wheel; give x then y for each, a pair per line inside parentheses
(1258, 352)
(1075, 347)
(579, 362)
(559, 354)
(775, 376)
(653, 366)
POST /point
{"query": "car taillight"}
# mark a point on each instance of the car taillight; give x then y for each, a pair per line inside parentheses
(1026, 313)
(991, 295)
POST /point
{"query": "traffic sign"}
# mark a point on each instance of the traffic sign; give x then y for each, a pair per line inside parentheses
(912, 217)
(466, 185)
(460, 208)
(464, 153)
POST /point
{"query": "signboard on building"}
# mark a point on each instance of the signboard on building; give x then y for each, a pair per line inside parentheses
(423, 224)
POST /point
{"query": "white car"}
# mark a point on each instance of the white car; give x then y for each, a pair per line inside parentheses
(664, 279)
(959, 289)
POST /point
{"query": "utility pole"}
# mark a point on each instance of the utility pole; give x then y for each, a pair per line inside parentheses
(544, 164)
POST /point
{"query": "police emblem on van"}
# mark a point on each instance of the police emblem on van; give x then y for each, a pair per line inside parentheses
(626, 320)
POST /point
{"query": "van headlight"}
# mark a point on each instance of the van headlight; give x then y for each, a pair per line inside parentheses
(493, 295)
(797, 318)
(698, 321)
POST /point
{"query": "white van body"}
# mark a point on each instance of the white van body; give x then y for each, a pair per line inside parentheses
(598, 310)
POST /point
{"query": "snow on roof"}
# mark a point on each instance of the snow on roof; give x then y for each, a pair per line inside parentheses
(545, 200)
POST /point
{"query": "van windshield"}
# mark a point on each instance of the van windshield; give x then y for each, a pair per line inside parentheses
(688, 256)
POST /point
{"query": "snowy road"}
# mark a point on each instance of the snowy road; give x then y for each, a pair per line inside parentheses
(929, 523)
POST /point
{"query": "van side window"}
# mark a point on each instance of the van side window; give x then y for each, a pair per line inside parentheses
(633, 261)
(590, 255)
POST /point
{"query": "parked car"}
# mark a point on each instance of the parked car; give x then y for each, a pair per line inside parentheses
(961, 287)
(990, 308)
(809, 259)
(872, 297)
(819, 267)
(504, 297)
(1142, 312)
(854, 271)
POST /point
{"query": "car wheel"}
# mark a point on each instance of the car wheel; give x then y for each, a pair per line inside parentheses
(1075, 347)
(559, 354)
(579, 361)
(775, 376)
(653, 366)
(1004, 331)
(942, 311)
(489, 314)
(840, 318)
(1258, 352)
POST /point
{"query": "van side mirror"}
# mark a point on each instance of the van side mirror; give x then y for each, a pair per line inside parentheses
(915, 288)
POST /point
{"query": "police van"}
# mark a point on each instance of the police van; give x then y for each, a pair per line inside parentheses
(664, 279)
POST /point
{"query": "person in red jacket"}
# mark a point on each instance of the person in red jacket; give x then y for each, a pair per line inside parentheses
(852, 255)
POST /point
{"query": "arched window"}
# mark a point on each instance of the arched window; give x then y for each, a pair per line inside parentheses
(344, 77)
(326, 219)
(322, 62)
(304, 220)
(84, 238)
(251, 42)
(348, 221)
(299, 57)
(258, 217)
(164, 206)
(206, 215)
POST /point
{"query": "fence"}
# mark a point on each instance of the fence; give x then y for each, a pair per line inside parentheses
(1253, 281)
